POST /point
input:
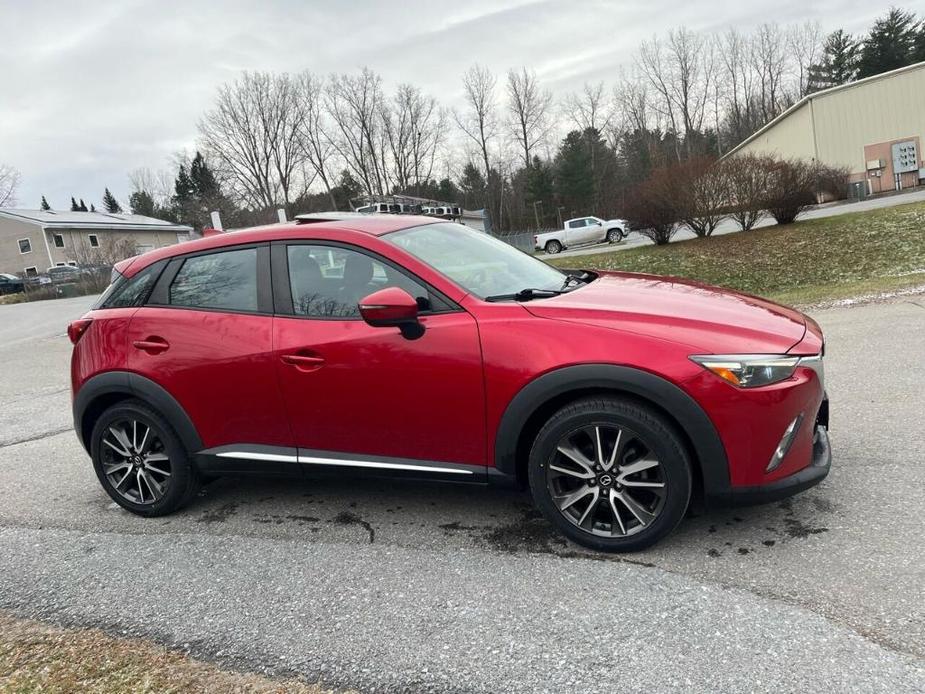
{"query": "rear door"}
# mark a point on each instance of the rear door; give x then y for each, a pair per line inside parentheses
(368, 397)
(206, 336)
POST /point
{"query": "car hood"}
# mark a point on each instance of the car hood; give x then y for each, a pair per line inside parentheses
(709, 319)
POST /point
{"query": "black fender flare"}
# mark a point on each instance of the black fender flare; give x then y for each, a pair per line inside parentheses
(681, 407)
(137, 386)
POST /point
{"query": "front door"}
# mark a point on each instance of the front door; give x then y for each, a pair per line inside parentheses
(368, 397)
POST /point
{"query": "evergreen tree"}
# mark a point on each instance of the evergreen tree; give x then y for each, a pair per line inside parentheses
(539, 191)
(183, 187)
(82, 207)
(919, 49)
(575, 183)
(473, 187)
(202, 182)
(447, 191)
(890, 44)
(839, 64)
(74, 206)
(45, 205)
(93, 208)
(141, 202)
(110, 203)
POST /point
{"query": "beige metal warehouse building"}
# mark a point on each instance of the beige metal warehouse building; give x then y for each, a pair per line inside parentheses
(31, 241)
(875, 127)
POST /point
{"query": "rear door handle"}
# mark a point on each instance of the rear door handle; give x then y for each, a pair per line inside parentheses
(303, 362)
(152, 345)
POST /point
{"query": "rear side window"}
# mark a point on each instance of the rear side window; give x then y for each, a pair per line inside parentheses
(225, 280)
(133, 291)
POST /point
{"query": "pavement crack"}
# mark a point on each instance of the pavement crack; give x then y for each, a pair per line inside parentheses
(36, 437)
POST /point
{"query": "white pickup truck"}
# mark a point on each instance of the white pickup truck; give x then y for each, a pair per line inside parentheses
(581, 230)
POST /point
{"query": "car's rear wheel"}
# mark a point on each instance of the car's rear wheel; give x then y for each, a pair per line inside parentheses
(553, 247)
(614, 236)
(611, 474)
(140, 461)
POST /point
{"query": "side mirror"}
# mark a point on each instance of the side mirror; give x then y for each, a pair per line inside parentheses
(392, 308)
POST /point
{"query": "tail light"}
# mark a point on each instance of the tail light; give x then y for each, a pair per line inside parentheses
(77, 328)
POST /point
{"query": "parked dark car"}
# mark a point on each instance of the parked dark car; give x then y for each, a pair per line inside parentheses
(11, 284)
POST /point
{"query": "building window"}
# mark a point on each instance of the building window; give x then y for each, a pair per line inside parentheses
(94, 241)
(25, 246)
(182, 237)
(72, 263)
(32, 271)
(59, 240)
(59, 264)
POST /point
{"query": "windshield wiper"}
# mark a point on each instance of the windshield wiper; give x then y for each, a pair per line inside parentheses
(525, 295)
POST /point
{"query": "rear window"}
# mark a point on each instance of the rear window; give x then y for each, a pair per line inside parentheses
(226, 280)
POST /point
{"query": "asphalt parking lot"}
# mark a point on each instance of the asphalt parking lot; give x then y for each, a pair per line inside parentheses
(419, 587)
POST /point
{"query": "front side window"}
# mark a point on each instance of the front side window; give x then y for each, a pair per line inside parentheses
(477, 262)
(226, 280)
(330, 282)
(25, 246)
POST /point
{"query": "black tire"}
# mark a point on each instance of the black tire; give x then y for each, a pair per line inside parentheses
(553, 247)
(183, 482)
(614, 235)
(649, 432)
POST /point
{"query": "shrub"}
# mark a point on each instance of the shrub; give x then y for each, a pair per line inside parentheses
(791, 188)
(702, 190)
(654, 208)
(747, 180)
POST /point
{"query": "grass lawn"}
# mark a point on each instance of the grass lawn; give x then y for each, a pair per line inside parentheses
(806, 262)
(38, 658)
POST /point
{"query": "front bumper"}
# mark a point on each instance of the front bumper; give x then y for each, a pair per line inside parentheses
(792, 484)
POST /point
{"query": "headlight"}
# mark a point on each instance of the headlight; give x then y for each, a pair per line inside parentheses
(749, 370)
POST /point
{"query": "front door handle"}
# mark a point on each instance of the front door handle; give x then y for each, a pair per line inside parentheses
(152, 345)
(303, 362)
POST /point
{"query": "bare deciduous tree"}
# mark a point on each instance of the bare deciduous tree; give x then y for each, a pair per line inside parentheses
(681, 72)
(355, 105)
(314, 140)
(805, 44)
(158, 184)
(589, 108)
(479, 120)
(254, 135)
(414, 126)
(769, 61)
(528, 111)
(9, 183)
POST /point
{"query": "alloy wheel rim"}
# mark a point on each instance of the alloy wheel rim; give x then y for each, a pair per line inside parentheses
(135, 462)
(606, 480)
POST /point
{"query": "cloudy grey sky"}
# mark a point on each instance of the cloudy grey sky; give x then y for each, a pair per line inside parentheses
(90, 90)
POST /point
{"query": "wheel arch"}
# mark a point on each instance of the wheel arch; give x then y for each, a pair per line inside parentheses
(102, 391)
(539, 399)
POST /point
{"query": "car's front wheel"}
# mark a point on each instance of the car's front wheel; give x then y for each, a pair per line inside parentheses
(614, 236)
(553, 247)
(611, 474)
(140, 461)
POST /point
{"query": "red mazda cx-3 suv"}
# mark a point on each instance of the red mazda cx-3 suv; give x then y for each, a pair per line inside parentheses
(421, 348)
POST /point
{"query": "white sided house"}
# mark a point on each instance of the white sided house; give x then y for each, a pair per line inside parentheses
(874, 127)
(31, 241)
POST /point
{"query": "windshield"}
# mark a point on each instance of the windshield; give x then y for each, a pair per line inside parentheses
(477, 262)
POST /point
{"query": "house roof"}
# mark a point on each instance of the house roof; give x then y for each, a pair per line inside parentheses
(821, 95)
(55, 219)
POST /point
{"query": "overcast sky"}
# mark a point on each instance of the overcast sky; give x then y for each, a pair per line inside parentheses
(92, 90)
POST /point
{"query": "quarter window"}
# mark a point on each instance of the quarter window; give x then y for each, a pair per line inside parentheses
(134, 291)
(25, 246)
(225, 280)
(330, 282)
